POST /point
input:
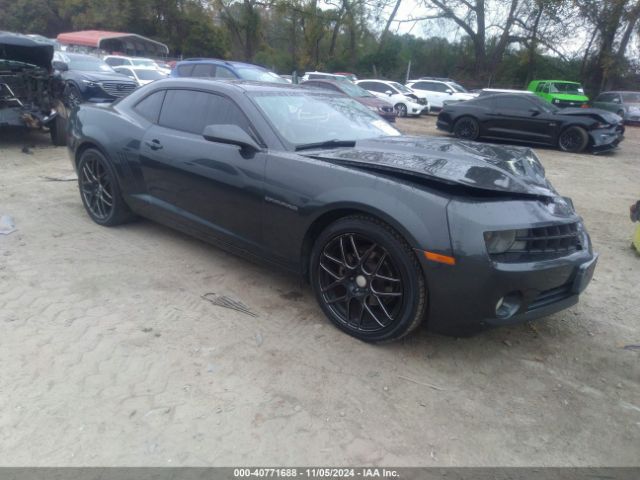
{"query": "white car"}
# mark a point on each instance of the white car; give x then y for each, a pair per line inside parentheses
(437, 91)
(119, 60)
(404, 100)
(142, 75)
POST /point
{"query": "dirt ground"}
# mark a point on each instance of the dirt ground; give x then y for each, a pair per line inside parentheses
(109, 355)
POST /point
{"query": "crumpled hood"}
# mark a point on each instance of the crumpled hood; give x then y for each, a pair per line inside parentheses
(604, 115)
(21, 48)
(477, 165)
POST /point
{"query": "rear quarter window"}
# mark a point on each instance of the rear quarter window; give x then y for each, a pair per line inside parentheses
(149, 107)
(185, 70)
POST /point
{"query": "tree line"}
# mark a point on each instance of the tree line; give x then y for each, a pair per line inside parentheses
(502, 43)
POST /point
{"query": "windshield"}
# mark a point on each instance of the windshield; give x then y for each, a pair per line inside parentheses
(149, 74)
(144, 62)
(567, 88)
(354, 90)
(401, 87)
(458, 88)
(259, 75)
(86, 63)
(631, 97)
(303, 118)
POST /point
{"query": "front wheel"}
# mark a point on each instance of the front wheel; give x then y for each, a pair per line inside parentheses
(467, 128)
(401, 109)
(72, 96)
(367, 279)
(573, 140)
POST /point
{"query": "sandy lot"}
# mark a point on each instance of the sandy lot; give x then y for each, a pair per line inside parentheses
(109, 355)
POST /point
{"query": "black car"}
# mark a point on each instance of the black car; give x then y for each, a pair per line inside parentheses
(388, 229)
(529, 119)
(89, 79)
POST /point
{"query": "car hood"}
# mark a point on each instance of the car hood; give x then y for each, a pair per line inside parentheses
(571, 97)
(104, 77)
(596, 113)
(21, 48)
(476, 165)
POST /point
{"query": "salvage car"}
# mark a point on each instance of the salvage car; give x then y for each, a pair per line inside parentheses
(30, 95)
(89, 79)
(625, 104)
(359, 94)
(390, 230)
(529, 119)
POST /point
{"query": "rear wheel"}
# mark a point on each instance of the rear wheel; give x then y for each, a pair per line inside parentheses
(100, 191)
(367, 279)
(573, 139)
(467, 128)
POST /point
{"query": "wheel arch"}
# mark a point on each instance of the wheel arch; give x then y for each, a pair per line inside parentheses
(334, 214)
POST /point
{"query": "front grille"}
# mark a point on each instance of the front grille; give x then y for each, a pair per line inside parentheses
(543, 242)
(568, 104)
(117, 89)
(422, 101)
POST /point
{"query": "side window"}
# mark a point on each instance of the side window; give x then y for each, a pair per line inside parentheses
(203, 70)
(149, 107)
(604, 97)
(617, 99)
(423, 86)
(365, 85)
(223, 72)
(511, 103)
(185, 70)
(191, 111)
(382, 88)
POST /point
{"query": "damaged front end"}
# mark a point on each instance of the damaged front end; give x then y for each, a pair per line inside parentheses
(30, 95)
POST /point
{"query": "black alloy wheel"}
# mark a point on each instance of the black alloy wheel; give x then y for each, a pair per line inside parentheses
(72, 96)
(401, 109)
(367, 280)
(100, 191)
(467, 128)
(573, 139)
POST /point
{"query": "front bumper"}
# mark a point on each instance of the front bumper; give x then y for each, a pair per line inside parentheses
(605, 139)
(464, 298)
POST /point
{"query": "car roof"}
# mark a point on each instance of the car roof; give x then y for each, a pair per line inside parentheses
(555, 81)
(238, 85)
(376, 80)
(136, 67)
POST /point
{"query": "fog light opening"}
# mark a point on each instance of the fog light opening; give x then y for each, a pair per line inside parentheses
(508, 306)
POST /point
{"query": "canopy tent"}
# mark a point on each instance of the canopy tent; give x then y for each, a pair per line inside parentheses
(115, 42)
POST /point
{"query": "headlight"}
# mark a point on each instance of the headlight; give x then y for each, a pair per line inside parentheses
(89, 83)
(505, 240)
(601, 125)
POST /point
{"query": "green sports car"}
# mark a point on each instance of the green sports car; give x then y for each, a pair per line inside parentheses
(560, 92)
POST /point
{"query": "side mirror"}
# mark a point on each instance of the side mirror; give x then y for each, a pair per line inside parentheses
(60, 66)
(449, 91)
(389, 92)
(231, 135)
(534, 112)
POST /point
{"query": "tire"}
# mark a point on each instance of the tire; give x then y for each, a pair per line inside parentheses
(573, 139)
(367, 279)
(58, 131)
(401, 109)
(467, 128)
(72, 96)
(99, 190)
(620, 113)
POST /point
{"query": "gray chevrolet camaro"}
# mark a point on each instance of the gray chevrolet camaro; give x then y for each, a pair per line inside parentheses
(389, 230)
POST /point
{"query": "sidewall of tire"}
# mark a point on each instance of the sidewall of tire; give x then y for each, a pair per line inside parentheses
(413, 281)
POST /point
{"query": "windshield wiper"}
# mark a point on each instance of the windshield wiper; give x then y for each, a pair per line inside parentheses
(327, 144)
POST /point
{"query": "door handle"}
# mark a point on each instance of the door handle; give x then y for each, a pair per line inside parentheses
(154, 144)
